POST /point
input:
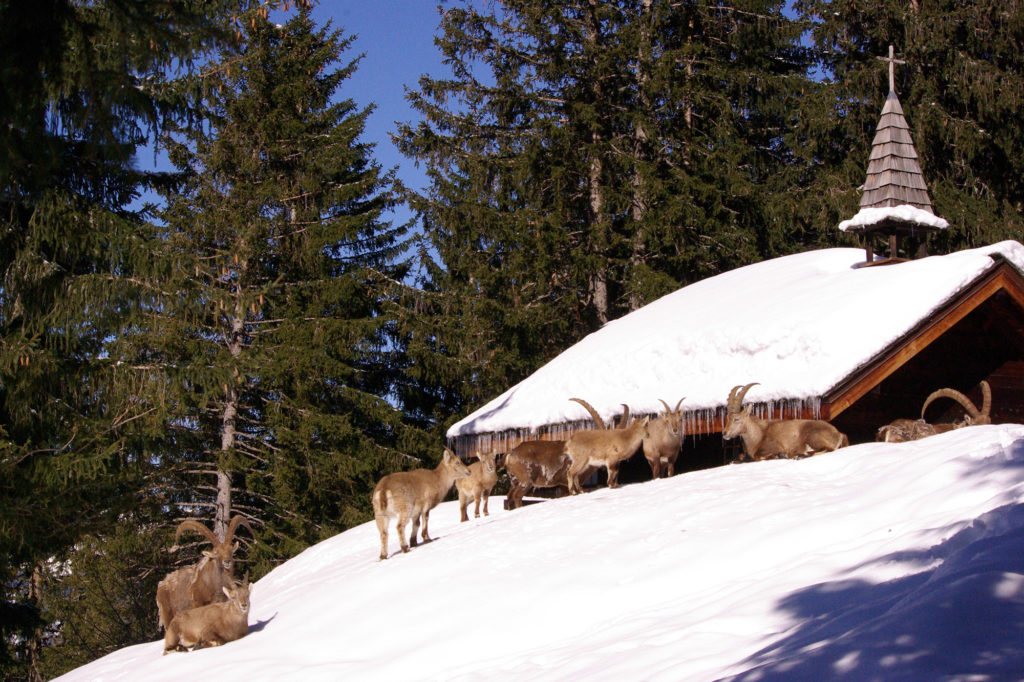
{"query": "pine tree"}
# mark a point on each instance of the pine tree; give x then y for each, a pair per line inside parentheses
(584, 158)
(83, 84)
(960, 88)
(277, 339)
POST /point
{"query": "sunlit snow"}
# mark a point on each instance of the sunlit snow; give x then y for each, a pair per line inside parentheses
(877, 561)
(798, 325)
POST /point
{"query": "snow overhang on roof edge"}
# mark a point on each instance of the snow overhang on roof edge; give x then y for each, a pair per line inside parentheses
(904, 213)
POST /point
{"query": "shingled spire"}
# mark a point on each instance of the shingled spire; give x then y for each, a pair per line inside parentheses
(895, 200)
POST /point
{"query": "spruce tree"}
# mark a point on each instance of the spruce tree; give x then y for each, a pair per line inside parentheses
(275, 333)
(959, 87)
(82, 86)
(584, 158)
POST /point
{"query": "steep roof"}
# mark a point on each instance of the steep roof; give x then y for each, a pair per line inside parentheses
(800, 325)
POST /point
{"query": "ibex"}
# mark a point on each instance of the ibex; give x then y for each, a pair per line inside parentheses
(764, 438)
(213, 624)
(606, 448)
(902, 430)
(663, 440)
(406, 495)
(535, 464)
(203, 582)
(483, 475)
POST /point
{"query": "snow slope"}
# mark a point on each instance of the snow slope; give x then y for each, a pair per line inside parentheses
(799, 325)
(878, 561)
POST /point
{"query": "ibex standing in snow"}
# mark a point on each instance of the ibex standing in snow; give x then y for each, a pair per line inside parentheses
(406, 495)
(483, 475)
(764, 438)
(663, 440)
(535, 464)
(606, 448)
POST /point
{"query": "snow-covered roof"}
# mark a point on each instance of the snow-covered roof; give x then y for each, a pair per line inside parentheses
(799, 325)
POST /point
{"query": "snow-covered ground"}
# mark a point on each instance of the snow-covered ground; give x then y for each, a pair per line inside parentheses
(878, 561)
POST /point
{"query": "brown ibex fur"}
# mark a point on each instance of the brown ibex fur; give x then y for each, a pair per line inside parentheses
(535, 464)
(606, 448)
(765, 438)
(203, 582)
(213, 624)
(902, 430)
(483, 475)
(406, 495)
(663, 440)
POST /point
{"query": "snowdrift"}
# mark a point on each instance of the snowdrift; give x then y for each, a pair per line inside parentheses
(878, 561)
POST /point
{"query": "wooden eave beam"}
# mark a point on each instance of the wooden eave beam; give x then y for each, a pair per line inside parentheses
(1000, 277)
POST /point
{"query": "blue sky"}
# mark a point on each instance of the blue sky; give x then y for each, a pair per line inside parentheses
(397, 39)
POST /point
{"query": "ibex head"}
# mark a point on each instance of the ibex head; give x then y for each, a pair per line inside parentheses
(974, 416)
(735, 417)
(673, 416)
(221, 551)
(488, 461)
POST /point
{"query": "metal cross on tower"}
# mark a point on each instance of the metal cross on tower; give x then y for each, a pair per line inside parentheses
(892, 60)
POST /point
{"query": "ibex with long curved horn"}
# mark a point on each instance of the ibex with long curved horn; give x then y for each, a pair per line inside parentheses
(663, 440)
(903, 430)
(602, 447)
(201, 583)
(766, 438)
(974, 415)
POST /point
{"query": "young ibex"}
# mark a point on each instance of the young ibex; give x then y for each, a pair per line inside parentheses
(483, 475)
(663, 440)
(903, 430)
(535, 464)
(607, 448)
(406, 495)
(213, 624)
(764, 438)
(201, 583)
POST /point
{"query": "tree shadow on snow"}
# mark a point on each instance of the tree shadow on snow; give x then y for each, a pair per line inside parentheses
(961, 616)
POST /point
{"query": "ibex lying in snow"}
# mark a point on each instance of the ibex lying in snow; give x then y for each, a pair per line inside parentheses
(213, 624)
(483, 475)
(602, 447)
(903, 430)
(406, 495)
(764, 438)
(663, 440)
(203, 582)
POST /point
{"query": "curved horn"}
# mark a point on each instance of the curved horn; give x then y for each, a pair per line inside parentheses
(676, 411)
(954, 394)
(668, 410)
(593, 413)
(736, 396)
(191, 524)
(236, 520)
(625, 416)
(986, 404)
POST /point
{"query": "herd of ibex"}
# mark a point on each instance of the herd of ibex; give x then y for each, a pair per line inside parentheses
(202, 605)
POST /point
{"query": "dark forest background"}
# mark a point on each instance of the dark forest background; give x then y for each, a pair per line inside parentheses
(263, 341)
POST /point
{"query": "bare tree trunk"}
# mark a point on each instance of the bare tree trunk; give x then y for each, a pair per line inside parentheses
(35, 646)
(598, 278)
(639, 206)
(222, 515)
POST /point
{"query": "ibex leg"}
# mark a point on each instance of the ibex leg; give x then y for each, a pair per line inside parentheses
(382, 527)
